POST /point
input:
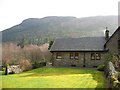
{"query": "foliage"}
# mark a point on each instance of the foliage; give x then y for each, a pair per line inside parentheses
(114, 58)
(50, 44)
(23, 42)
(101, 67)
(119, 76)
(37, 65)
(116, 83)
(12, 54)
(108, 58)
(25, 64)
(55, 78)
(116, 61)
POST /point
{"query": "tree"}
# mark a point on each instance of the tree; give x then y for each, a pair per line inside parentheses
(50, 44)
(6, 70)
(24, 41)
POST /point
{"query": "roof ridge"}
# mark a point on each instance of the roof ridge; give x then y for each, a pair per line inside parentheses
(80, 37)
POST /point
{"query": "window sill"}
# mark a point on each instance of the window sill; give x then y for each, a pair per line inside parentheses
(59, 59)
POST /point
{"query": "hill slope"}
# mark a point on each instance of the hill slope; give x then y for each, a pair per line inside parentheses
(54, 27)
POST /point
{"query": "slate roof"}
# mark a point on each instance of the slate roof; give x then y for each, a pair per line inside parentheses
(79, 44)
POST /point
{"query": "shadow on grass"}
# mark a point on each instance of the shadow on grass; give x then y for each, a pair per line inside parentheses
(101, 81)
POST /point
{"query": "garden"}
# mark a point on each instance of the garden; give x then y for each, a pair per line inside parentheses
(55, 78)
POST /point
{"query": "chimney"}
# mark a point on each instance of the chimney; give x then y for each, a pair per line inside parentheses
(107, 34)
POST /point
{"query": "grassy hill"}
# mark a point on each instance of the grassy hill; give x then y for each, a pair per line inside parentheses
(55, 27)
(55, 78)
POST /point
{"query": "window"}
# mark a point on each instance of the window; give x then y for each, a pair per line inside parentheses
(92, 56)
(58, 56)
(95, 56)
(76, 56)
(71, 55)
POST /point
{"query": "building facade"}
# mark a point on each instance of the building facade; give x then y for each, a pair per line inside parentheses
(86, 51)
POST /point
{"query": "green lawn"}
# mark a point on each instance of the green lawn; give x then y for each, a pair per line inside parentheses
(55, 78)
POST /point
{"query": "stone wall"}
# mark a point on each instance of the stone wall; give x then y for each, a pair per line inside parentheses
(112, 44)
(112, 76)
(66, 61)
(84, 59)
(14, 69)
(94, 63)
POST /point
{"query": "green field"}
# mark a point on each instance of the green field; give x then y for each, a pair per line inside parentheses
(55, 78)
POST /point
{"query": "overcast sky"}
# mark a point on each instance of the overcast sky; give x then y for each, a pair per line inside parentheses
(13, 12)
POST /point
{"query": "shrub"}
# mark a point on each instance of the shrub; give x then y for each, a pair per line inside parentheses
(0, 67)
(25, 64)
(42, 64)
(3, 72)
(116, 84)
(3, 69)
(101, 67)
(119, 76)
(37, 65)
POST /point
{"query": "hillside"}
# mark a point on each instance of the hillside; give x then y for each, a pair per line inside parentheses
(54, 27)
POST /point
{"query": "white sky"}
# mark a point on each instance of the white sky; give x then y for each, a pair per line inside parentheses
(13, 12)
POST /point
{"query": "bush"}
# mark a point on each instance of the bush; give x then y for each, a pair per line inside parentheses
(0, 67)
(101, 67)
(3, 69)
(116, 84)
(42, 64)
(119, 76)
(25, 64)
(2, 72)
(37, 65)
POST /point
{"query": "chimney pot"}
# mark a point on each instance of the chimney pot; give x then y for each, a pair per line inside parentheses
(107, 33)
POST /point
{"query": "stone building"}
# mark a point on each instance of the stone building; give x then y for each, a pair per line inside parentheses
(85, 51)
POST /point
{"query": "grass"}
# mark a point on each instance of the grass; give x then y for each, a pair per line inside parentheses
(55, 78)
